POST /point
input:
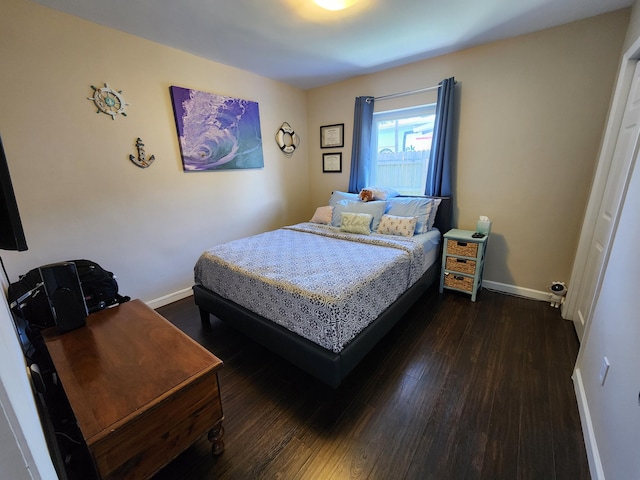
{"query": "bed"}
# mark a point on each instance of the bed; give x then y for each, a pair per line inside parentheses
(318, 293)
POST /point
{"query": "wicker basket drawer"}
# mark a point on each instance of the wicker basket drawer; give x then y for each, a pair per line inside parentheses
(462, 265)
(458, 281)
(464, 249)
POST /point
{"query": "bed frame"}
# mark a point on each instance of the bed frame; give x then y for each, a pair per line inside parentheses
(327, 366)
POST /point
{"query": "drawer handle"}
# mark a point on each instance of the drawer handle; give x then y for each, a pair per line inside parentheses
(461, 260)
(458, 277)
(462, 244)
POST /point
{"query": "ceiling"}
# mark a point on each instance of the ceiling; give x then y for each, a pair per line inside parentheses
(298, 43)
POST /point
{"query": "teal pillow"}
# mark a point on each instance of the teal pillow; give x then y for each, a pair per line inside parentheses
(376, 209)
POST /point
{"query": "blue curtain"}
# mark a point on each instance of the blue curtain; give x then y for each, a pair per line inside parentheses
(360, 153)
(439, 172)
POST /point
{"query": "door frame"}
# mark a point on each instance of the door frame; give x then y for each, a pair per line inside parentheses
(607, 148)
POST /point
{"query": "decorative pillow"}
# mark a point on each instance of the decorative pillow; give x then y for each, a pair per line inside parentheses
(336, 196)
(322, 215)
(434, 211)
(393, 225)
(374, 208)
(382, 193)
(356, 222)
(412, 207)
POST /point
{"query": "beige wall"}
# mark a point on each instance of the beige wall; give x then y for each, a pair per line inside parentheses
(532, 112)
(81, 197)
(633, 31)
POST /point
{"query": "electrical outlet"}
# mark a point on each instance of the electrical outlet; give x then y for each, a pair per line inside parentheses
(604, 369)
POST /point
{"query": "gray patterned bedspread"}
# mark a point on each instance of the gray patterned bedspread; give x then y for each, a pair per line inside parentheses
(314, 280)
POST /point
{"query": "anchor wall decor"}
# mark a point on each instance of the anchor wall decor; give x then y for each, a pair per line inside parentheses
(141, 161)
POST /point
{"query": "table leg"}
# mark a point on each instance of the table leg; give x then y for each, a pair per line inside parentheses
(215, 436)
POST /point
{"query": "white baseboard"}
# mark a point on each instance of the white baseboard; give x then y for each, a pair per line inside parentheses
(489, 285)
(170, 298)
(593, 455)
(518, 291)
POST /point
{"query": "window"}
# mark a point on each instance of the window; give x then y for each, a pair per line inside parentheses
(401, 144)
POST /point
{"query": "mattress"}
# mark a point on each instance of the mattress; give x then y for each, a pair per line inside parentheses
(314, 280)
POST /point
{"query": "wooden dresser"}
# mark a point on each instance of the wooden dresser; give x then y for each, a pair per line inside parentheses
(140, 389)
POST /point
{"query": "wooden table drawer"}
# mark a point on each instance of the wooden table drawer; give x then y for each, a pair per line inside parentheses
(462, 265)
(464, 249)
(138, 446)
(458, 281)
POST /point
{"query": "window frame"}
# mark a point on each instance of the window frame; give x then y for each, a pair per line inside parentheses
(400, 147)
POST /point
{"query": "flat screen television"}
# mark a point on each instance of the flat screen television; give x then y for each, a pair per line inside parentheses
(11, 232)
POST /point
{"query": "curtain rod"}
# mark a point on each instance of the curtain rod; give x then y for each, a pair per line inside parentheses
(402, 94)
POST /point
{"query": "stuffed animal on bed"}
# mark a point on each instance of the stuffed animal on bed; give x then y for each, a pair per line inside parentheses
(558, 291)
(366, 195)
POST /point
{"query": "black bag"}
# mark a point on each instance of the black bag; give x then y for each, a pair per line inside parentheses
(28, 300)
(99, 287)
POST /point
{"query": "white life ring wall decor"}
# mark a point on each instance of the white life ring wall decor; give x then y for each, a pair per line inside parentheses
(287, 139)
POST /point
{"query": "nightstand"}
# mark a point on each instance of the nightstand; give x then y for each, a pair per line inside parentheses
(462, 262)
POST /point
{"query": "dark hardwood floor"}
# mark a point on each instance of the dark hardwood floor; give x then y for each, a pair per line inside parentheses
(457, 390)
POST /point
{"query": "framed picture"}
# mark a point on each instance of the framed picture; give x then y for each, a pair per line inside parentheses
(332, 162)
(332, 136)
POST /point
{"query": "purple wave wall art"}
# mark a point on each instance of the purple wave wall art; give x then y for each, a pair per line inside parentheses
(216, 132)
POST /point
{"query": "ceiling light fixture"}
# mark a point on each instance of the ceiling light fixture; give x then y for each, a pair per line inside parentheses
(334, 4)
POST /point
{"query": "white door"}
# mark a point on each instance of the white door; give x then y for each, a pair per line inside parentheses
(626, 149)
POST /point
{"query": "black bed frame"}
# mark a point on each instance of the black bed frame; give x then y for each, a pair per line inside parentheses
(327, 366)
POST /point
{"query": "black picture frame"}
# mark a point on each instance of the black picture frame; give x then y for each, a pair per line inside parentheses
(332, 136)
(332, 162)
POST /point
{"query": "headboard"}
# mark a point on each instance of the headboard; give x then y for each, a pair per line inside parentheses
(444, 217)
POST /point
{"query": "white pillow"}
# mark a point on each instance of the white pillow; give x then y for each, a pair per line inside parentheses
(394, 225)
(356, 222)
(412, 207)
(337, 195)
(322, 215)
(382, 193)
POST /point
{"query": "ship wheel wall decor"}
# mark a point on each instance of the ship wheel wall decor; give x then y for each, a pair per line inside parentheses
(108, 101)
